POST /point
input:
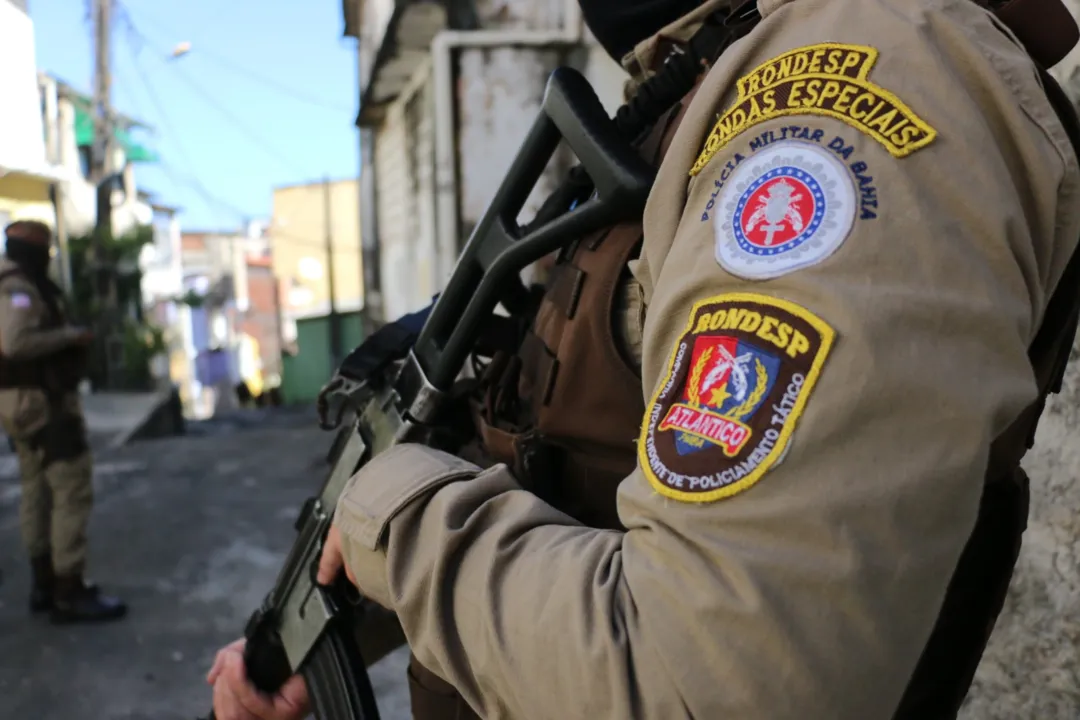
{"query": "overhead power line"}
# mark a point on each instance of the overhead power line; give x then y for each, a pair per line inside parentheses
(191, 180)
(136, 37)
(136, 42)
(258, 77)
(273, 231)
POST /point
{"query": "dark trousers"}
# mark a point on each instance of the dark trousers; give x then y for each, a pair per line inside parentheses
(972, 604)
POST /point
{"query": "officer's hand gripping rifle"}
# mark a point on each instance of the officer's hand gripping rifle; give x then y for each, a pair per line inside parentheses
(306, 628)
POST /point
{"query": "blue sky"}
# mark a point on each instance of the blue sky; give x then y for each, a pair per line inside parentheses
(266, 97)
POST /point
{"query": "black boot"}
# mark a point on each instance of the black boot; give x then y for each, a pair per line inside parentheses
(77, 601)
(42, 584)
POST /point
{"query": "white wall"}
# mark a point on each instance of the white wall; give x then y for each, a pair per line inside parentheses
(22, 136)
(160, 261)
(79, 195)
(605, 75)
(499, 91)
(405, 286)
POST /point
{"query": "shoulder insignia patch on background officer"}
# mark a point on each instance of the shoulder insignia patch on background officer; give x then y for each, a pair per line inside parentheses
(828, 79)
(20, 300)
(791, 205)
(737, 381)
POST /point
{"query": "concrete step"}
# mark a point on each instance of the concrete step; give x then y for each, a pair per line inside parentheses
(115, 418)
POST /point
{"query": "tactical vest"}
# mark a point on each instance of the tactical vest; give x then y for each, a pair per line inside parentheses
(564, 411)
(59, 372)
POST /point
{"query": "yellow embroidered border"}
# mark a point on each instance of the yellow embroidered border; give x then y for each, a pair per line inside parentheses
(654, 410)
(827, 79)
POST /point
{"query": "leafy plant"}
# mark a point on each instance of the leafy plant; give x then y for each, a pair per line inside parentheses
(192, 299)
(138, 341)
(141, 342)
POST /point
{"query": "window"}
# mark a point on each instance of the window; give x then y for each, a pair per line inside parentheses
(310, 268)
(86, 154)
(162, 242)
(5, 218)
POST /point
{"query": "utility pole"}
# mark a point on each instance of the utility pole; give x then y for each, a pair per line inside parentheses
(335, 322)
(101, 155)
(100, 175)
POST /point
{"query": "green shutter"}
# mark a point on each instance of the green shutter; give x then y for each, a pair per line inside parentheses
(84, 135)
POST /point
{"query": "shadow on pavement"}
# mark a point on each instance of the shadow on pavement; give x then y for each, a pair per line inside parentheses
(191, 531)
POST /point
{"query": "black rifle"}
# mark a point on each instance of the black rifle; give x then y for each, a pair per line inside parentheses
(303, 627)
(400, 384)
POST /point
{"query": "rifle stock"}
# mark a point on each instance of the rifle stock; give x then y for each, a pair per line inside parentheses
(305, 628)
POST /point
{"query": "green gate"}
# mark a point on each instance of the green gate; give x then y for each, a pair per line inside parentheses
(304, 374)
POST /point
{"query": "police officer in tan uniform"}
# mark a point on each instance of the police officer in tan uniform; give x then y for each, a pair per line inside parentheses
(42, 359)
(857, 278)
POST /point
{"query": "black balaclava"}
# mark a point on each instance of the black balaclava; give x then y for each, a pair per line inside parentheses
(33, 257)
(619, 25)
(28, 247)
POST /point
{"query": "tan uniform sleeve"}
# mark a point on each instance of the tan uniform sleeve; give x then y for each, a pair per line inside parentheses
(819, 411)
(22, 313)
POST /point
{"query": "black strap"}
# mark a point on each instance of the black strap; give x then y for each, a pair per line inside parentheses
(47, 289)
(1062, 316)
(656, 96)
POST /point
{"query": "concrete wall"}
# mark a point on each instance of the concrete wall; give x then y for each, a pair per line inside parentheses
(499, 94)
(25, 198)
(1032, 666)
(403, 175)
(22, 142)
(24, 167)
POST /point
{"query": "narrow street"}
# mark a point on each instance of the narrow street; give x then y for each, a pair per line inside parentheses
(191, 531)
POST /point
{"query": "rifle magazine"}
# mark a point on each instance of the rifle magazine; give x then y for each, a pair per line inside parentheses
(337, 678)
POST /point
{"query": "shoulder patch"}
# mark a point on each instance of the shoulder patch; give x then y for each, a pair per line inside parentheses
(827, 79)
(736, 383)
(20, 300)
(789, 206)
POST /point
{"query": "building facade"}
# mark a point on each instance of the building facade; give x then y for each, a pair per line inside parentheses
(448, 90)
(69, 133)
(308, 219)
(231, 312)
(27, 176)
(162, 286)
(261, 322)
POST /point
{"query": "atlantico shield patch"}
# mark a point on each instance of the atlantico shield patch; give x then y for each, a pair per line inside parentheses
(737, 382)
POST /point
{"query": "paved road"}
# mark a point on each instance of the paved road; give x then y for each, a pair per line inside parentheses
(191, 531)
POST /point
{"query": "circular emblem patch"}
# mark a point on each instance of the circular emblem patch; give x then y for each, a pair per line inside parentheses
(789, 206)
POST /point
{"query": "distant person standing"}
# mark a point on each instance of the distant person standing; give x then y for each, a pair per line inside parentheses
(42, 360)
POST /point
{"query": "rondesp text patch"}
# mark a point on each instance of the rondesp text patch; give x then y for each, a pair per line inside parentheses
(828, 80)
(736, 383)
